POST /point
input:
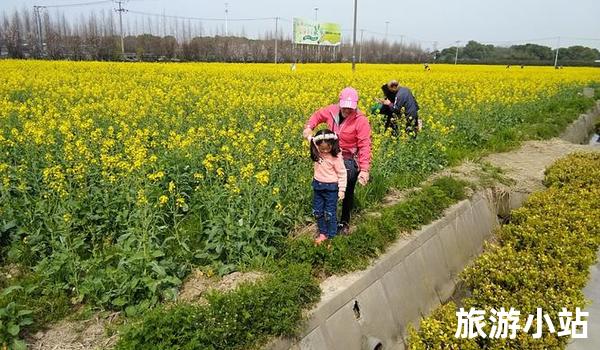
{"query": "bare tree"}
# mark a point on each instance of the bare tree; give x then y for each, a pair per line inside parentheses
(55, 35)
(13, 37)
(4, 26)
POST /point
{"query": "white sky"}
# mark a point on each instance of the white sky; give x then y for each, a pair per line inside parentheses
(500, 23)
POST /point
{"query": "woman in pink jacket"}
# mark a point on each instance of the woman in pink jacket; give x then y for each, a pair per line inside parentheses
(354, 134)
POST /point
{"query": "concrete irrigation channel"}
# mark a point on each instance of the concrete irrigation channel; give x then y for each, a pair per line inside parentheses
(371, 309)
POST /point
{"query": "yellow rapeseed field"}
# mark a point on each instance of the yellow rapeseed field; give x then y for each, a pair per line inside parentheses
(121, 120)
(207, 150)
(117, 179)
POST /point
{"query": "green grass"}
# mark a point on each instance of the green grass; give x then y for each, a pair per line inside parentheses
(501, 128)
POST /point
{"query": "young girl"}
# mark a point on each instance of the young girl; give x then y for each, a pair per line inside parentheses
(329, 181)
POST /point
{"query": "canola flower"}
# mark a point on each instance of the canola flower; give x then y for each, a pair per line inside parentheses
(89, 115)
(223, 139)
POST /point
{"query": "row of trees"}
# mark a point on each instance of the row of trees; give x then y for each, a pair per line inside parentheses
(96, 37)
(518, 54)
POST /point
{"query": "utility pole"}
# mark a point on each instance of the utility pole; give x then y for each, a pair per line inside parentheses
(276, 38)
(226, 20)
(556, 57)
(120, 10)
(318, 42)
(456, 57)
(164, 23)
(387, 25)
(38, 25)
(362, 33)
(354, 38)
(401, 46)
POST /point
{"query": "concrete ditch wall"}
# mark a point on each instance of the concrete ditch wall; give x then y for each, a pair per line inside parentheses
(372, 309)
(579, 131)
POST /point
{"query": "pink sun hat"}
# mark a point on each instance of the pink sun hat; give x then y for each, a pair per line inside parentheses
(348, 98)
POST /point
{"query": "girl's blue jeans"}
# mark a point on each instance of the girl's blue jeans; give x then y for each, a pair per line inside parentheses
(324, 206)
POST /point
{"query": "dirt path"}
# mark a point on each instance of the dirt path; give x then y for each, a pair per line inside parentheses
(527, 164)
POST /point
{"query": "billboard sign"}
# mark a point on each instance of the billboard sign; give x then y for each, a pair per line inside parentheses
(315, 33)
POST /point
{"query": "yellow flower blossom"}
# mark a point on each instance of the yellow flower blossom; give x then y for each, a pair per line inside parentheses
(141, 197)
(156, 176)
(247, 171)
(262, 177)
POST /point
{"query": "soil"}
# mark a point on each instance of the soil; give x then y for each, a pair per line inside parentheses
(198, 283)
(527, 164)
(10, 271)
(302, 230)
(91, 334)
(75, 335)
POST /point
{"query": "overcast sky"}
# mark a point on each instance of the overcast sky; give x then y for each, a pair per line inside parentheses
(503, 22)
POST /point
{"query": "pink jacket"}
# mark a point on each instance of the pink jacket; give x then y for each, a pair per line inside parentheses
(331, 169)
(354, 133)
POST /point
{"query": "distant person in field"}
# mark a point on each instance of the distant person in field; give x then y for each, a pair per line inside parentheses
(354, 135)
(329, 181)
(402, 107)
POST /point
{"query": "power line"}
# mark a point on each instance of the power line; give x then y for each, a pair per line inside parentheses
(582, 39)
(201, 18)
(76, 4)
(514, 41)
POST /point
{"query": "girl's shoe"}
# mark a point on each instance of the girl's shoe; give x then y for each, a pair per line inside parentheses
(320, 239)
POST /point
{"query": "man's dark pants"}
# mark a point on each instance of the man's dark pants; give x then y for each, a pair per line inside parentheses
(348, 203)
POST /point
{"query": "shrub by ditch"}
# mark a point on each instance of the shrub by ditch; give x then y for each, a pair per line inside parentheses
(541, 260)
